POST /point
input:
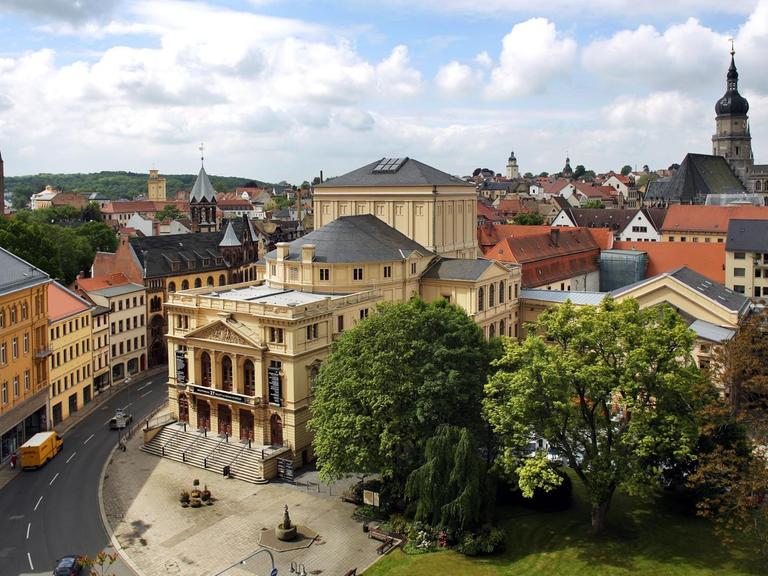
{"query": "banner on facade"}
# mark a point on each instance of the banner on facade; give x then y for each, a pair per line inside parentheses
(275, 385)
(181, 367)
(213, 393)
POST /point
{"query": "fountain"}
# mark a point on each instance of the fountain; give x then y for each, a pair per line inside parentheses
(286, 531)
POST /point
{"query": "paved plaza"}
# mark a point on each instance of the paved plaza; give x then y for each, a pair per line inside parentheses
(157, 536)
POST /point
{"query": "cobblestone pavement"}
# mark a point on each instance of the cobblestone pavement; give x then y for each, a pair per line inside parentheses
(140, 496)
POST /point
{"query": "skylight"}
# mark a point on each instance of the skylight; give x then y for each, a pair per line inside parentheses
(389, 165)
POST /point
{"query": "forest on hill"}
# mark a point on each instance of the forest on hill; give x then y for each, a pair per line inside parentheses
(112, 185)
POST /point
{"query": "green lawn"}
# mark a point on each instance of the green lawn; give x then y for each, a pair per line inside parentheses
(644, 539)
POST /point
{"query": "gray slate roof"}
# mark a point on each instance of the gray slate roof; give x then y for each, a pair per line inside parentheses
(203, 190)
(118, 290)
(712, 332)
(230, 238)
(698, 176)
(362, 238)
(747, 236)
(614, 218)
(17, 274)
(411, 173)
(458, 268)
(560, 296)
(714, 291)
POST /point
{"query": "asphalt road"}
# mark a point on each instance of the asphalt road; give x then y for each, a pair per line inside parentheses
(54, 511)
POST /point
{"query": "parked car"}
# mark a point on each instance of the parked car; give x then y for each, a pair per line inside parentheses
(120, 420)
(68, 566)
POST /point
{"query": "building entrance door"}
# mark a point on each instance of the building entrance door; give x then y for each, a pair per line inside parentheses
(225, 420)
(183, 409)
(203, 415)
(246, 425)
(276, 428)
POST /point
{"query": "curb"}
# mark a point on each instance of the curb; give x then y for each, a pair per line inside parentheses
(112, 538)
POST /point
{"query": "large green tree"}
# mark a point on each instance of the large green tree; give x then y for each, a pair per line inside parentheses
(528, 219)
(388, 384)
(610, 387)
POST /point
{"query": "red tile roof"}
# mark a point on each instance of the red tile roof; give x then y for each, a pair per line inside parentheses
(514, 205)
(708, 259)
(555, 255)
(487, 212)
(711, 219)
(103, 281)
(131, 206)
(63, 303)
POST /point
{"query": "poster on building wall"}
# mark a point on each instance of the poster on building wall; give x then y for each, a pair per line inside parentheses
(181, 367)
(274, 384)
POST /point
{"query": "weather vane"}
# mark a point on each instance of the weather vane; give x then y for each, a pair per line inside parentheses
(202, 149)
(733, 51)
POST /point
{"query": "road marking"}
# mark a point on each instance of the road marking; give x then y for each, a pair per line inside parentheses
(53, 479)
(70, 458)
(140, 388)
(30, 561)
(38, 502)
(147, 392)
(28, 527)
(126, 406)
(108, 421)
(89, 437)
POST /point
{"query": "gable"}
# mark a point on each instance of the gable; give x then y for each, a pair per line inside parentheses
(224, 332)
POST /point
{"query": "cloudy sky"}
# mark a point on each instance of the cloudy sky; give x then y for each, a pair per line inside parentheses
(281, 89)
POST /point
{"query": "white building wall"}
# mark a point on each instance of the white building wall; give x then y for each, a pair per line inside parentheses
(562, 219)
(633, 232)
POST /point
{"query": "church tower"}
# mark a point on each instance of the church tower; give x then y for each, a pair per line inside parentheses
(202, 201)
(567, 170)
(155, 187)
(732, 139)
(513, 172)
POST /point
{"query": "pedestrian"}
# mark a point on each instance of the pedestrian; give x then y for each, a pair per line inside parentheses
(13, 461)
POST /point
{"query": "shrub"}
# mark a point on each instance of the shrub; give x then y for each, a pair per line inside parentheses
(489, 540)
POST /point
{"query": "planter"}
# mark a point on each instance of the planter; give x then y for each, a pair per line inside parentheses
(285, 534)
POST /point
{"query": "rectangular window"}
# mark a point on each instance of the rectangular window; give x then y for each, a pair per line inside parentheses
(15, 347)
(738, 271)
(357, 273)
(276, 335)
(413, 267)
(312, 331)
(293, 273)
(5, 392)
(757, 291)
(16, 390)
(363, 313)
(739, 255)
(325, 274)
(272, 270)
(707, 239)
(695, 239)
(26, 381)
(387, 271)
(738, 288)
(26, 342)
(340, 323)
(719, 240)
(683, 238)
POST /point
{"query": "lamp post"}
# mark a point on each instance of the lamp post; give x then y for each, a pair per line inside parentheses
(298, 569)
(244, 560)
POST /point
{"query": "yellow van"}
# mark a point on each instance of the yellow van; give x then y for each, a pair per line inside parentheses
(39, 449)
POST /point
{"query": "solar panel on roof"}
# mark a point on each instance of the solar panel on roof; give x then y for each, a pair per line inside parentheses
(389, 165)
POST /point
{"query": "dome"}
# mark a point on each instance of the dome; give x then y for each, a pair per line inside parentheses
(732, 103)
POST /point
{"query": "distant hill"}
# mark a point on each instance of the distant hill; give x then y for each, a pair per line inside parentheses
(114, 185)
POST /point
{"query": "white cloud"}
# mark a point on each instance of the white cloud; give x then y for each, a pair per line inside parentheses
(396, 77)
(532, 55)
(484, 59)
(682, 55)
(456, 78)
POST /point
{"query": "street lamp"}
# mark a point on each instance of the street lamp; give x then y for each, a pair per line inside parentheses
(242, 562)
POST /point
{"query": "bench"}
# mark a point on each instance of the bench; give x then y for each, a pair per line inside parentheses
(350, 499)
(385, 546)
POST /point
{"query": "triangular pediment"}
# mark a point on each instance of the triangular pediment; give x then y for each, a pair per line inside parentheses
(221, 331)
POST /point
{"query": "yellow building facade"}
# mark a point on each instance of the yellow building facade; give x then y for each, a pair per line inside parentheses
(437, 210)
(23, 352)
(156, 187)
(71, 360)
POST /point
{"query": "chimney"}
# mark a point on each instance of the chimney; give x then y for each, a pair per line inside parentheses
(554, 236)
(321, 176)
(307, 253)
(282, 250)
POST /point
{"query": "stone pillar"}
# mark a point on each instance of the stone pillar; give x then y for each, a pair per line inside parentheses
(215, 369)
(236, 384)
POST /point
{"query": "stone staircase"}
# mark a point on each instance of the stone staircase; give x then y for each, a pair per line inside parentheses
(213, 452)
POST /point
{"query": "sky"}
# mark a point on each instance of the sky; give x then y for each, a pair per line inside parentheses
(282, 89)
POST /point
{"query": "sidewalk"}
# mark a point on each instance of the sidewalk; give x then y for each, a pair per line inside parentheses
(7, 473)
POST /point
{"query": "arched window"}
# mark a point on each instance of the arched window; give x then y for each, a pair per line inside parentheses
(249, 379)
(491, 296)
(185, 284)
(313, 374)
(226, 373)
(209, 282)
(205, 369)
(758, 186)
(501, 296)
(222, 280)
(502, 325)
(2, 318)
(480, 298)
(172, 287)
(24, 311)
(13, 314)
(198, 283)
(491, 331)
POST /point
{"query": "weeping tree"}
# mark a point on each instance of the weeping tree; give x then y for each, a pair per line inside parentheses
(450, 489)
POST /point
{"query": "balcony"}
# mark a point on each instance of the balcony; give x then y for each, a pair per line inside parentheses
(43, 352)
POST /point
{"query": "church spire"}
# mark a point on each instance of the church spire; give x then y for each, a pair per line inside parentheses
(732, 103)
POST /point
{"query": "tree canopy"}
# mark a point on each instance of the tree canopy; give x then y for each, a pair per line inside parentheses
(626, 169)
(612, 388)
(528, 219)
(169, 211)
(390, 382)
